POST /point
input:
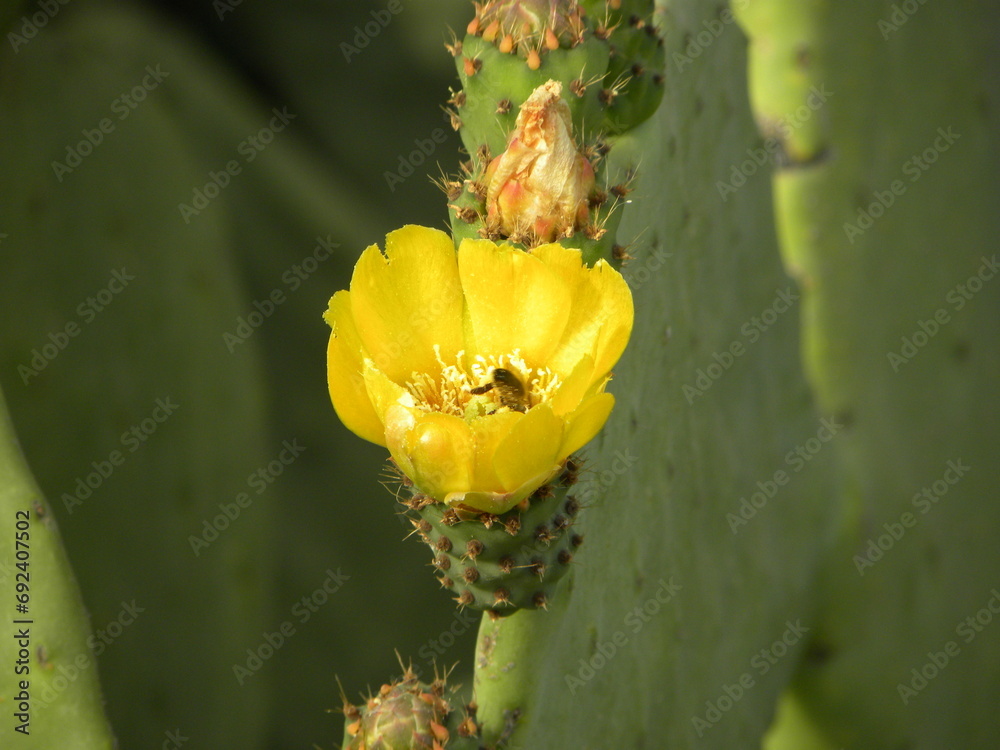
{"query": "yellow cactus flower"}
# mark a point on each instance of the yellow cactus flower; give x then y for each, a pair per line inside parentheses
(481, 371)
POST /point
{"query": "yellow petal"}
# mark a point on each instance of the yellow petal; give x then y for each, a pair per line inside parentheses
(435, 450)
(489, 431)
(531, 450)
(574, 387)
(512, 301)
(344, 360)
(586, 422)
(407, 301)
(383, 393)
(488, 502)
(600, 321)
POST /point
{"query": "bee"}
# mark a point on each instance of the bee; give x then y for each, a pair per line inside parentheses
(508, 387)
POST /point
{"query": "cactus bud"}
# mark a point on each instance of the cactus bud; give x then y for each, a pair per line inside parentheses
(538, 188)
(408, 715)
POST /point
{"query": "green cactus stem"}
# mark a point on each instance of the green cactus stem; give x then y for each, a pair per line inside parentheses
(506, 676)
(48, 685)
(887, 213)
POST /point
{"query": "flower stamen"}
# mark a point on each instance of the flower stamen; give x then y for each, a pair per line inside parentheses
(486, 385)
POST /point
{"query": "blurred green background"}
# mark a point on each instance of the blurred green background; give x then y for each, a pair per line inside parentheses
(180, 88)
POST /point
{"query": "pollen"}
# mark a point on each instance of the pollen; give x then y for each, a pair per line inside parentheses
(458, 389)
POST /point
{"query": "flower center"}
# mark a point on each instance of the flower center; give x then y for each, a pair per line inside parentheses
(474, 387)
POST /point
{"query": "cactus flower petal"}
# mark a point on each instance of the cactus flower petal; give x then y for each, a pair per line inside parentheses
(481, 370)
(513, 301)
(344, 367)
(586, 421)
(600, 321)
(407, 300)
(529, 454)
(437, 450)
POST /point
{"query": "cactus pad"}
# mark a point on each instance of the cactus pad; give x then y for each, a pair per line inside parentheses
(502, 563)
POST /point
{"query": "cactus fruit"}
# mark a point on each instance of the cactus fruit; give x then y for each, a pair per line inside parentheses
(633, 84)
(501, 563)
(496, 83)
(408, 714)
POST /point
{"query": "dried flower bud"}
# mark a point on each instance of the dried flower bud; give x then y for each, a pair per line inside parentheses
(538, 188)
